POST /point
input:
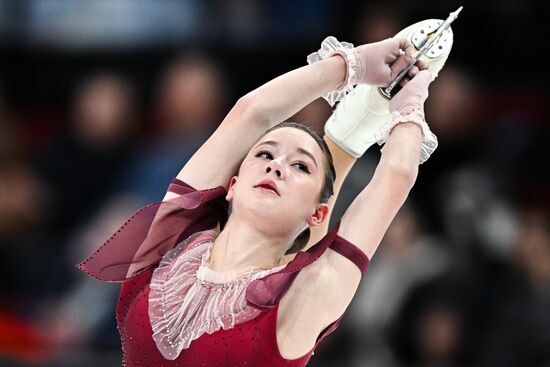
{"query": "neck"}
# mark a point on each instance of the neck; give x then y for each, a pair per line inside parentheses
(241, 245)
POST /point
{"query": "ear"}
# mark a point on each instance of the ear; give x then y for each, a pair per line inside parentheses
(231, 188)
(319, 215)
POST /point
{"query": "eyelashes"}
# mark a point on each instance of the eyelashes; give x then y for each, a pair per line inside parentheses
(302, 167)
(267, 155)
(264, 154)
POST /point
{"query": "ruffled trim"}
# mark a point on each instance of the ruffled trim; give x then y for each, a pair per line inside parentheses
(148, 234)
(415, 116)
(330, 47)
(187, 299)
(212, 278)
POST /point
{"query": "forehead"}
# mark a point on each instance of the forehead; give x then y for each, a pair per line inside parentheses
(292, 138)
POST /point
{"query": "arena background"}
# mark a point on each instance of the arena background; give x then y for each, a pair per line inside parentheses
(102, 102)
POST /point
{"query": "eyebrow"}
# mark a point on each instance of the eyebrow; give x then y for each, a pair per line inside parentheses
(300, 150)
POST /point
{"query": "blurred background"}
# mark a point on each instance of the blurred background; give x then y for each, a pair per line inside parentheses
(103, 101)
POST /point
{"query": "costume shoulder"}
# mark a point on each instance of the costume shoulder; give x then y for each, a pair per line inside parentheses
(141, 242)
(266, 292)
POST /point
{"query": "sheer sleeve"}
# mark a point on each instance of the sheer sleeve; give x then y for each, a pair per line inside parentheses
(141, 242)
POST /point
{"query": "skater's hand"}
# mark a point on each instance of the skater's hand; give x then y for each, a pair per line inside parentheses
(375, 63)
(413, 94)
(380, 62)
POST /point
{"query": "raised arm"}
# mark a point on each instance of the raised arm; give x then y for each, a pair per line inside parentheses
(371, 213)
(219, 158)
(335, 279)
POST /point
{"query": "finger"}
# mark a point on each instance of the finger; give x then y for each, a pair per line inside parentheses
(409, 52)
(405, 45)
(422, 78)
(422, 65)
(413, 71)
(400, 64)
(394, 49)
(406, 49)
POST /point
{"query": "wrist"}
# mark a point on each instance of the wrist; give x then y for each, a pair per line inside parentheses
(330, 47)
(338, 71)
(413, 117)
(410, 117)
(411, 128)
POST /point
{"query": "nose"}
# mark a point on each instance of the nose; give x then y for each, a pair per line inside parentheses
(274, 166)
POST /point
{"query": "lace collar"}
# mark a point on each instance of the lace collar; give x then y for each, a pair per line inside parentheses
(226, 278)
(188, 299)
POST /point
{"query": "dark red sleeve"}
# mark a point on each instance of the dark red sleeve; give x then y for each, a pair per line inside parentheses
(155, 229)
(350, 251)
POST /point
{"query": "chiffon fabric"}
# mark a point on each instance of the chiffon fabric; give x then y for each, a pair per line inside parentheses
(175, 311)
(188, 299)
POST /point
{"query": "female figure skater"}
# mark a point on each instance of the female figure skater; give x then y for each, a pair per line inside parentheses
(201, 287)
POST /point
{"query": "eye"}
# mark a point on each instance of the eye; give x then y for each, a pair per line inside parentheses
(264, 154)
(302, 167)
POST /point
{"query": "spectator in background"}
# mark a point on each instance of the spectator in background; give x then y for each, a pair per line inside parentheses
(23, 203)
(407, 258)
(189, 103)
(519, 333)
(189, 98)
(459, 132)
(440, 336)
(40, 203)
(22, 214)
(91, 150)
(433, 324)
(19, 191)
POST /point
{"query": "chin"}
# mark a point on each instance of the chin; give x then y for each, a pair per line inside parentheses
(268, 214)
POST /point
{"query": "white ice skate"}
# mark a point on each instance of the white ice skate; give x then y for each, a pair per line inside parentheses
(357, 119)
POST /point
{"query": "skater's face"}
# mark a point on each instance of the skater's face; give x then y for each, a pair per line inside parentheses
(281, 179)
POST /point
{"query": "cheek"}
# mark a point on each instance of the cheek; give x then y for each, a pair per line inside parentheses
(252, 165)
(310, 189)
(247, 176)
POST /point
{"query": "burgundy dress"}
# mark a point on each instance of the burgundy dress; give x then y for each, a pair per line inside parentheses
(148, 249)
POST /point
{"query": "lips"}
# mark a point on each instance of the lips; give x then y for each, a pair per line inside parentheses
(270, 185)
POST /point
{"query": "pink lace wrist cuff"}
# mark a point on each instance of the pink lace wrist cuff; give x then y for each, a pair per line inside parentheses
(330, 47)
(410, 114)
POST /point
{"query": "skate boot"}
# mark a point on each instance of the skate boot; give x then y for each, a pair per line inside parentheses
(358, 118)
